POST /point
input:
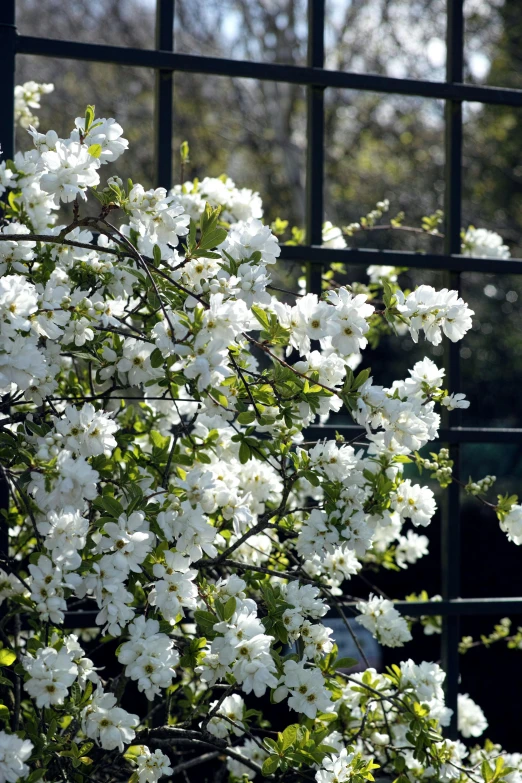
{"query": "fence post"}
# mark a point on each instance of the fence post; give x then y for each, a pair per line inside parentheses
(7, 82)
(315, 144)
(450, 513)
(163, 97)
(7, 85)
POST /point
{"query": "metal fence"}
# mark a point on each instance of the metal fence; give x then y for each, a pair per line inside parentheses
(165, 62)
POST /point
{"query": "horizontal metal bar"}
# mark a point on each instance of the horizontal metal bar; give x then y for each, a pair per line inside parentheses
(446, 434)
(275, 72)
(460, 606)
(366, 256)
(454, 607)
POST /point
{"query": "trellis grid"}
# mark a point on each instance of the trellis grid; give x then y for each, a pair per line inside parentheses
(453, 91)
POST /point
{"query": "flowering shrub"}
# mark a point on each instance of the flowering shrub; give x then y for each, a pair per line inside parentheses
(156, 393)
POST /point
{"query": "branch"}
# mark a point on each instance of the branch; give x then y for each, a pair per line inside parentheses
(195, 762)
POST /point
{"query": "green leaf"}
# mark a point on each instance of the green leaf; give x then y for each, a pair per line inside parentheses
(205, 620)
(95, 150)
(244, 452)
(156, 254)
(184, 151)
(230, 608)
(156, 358)
(132, 752)
(4, 713)
(89, 117)
(311, 477)
(361, 378)
(37, 774)
(289, 736)
(109, 504)
(270, 765)
(261, 316)
(345, 663)
(247, 417)
(7, 657)
(191, 239)
(212, 238)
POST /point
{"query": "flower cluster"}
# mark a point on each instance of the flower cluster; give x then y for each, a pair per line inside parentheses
(160, 481)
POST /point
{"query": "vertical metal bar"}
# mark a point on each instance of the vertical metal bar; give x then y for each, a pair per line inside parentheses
(315, 143)
(164, 97)
(7, 82)
(452, 210)
(7, 125)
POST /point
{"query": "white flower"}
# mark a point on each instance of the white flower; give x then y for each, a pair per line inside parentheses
(432, 311)
(453, 401)
(193, 534)
(136, 361)
(65, 533)
(47, 589)
(14, 752)
(223, 321)
(424, 373)
(426, 679)
(10, 586)
(316, 637)
(379, 616)
(453, 752)
(252, 237)
(471, 720)
(242, 204)
(18, 300)
(377, 273)
(106, 582)
(76, 482)
(481, 243)
(111, 726)
(317, 535)
(149, 657)
(306, 686)
(175, 590)
(86, 670)
(78, 331)
(336, 769)
(27, 97)
(160, 217)
(68, 171)
(305, 598)
(512, 524)
(51, 674)
(129, 539)
(106, 133)
(336, 462)
(232, 708)
(7, 177)
(254, 667)
(15, 253)
(414, 502)
(333, 236)
(410, 548)
(152, 766)
(87, 431)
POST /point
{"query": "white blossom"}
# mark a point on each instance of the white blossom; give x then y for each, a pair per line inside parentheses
(14, 752)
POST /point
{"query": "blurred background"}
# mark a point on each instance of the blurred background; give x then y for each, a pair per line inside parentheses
(378, 146)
